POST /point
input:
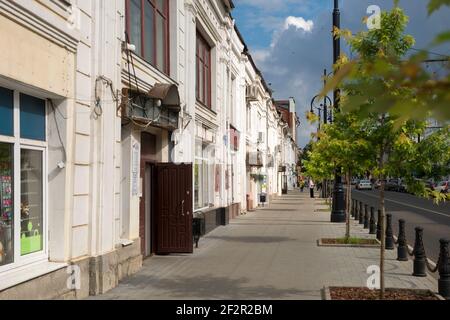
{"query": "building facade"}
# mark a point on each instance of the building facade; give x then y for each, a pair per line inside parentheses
(122, 122)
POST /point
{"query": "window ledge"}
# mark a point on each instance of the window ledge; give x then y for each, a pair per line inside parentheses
(204, 107)
(28, 272)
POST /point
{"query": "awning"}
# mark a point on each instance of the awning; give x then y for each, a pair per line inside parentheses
(168, 94)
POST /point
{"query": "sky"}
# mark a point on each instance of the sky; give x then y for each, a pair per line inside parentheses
(291, 41)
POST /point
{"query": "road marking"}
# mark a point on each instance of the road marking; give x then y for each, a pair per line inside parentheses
(407, 205)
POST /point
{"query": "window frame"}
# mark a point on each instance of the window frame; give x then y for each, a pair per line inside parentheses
(166, 37)
(205, 166)
(206, 100)
(18, 144)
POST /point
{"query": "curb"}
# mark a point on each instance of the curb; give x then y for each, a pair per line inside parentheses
(320, 244)
(431, 262)
(326, 294)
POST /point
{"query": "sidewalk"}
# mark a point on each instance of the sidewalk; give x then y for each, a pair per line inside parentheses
(268, 254)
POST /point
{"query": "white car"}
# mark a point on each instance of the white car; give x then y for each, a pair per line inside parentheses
(364, 185)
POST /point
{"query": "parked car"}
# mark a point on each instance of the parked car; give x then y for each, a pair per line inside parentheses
(355, 181)
(395, 185)
(364, 185)
(443, 186)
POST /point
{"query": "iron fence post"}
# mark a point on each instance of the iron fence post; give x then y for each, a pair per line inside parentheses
(402, 250)
(419, 255)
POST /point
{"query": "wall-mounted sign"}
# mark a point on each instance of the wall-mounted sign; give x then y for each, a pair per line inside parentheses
(135, 169)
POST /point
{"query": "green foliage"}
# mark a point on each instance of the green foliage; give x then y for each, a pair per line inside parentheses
(257, 177)
(403, 87)
(434, 5)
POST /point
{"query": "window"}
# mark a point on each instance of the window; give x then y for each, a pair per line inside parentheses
(203, 176)
(22, 176)
(148, 30)
(203, 71)
(6, 112)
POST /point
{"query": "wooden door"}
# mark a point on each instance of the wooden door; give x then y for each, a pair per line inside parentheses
(173, 208)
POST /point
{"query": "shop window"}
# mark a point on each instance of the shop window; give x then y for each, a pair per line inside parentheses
(6, 112)
(31, 206)
(203, 176)
(22, 223)
(32, 118)
(6, 204)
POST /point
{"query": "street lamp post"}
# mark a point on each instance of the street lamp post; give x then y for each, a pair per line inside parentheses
(322, 106)
(338, 211)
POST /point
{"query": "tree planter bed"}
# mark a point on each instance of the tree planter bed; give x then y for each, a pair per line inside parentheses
(360, 293)
(356, 243)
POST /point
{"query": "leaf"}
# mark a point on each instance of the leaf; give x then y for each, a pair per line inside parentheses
(333, 83)
(434, 5)
(441, 38)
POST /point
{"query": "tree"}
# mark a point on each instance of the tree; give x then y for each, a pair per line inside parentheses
(341, 144)
(379, 52)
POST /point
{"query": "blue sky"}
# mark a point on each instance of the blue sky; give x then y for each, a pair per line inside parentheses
(290, 40)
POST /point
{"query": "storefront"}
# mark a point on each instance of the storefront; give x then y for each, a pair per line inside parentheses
(23, 154)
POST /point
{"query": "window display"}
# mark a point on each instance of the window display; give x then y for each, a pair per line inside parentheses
(31, 202)
(6, 205)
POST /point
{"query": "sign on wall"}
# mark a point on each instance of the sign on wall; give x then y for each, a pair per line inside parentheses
(135, 170)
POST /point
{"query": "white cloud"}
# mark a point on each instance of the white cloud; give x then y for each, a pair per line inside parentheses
(301, 49)
(261, 55)
(299, 23)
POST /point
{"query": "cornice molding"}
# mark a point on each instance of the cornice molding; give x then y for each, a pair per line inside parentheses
(17, 13)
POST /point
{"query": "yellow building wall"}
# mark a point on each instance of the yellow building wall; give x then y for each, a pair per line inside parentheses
(34, 60)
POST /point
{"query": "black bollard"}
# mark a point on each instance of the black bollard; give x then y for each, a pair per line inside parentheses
(366, 216)
(419, 255)
(444, 270)
(372, 223)
(379, 226)
(356, 210)
(390, 242)
(402, 250)
(361, 213)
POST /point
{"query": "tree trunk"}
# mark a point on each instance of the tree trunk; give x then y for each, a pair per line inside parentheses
(383, 237)
(348, 205)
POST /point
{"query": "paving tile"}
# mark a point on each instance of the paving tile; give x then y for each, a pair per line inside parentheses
(268, 254)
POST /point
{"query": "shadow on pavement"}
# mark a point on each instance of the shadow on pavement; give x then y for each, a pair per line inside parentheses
(252, 239)
(211, 287)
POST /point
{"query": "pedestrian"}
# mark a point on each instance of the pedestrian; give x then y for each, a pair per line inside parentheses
(311, 188)
(302, 185)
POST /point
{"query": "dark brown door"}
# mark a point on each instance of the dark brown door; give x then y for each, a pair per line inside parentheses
(173, 214)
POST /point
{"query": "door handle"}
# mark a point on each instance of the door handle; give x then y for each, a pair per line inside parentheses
(182, 208)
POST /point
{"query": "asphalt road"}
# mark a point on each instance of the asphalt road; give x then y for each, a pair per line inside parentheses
(435, 219)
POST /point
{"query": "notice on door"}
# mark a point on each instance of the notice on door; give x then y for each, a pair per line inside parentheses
(135, 170)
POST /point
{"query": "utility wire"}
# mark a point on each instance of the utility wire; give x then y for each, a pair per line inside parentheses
(57, 129)
(431, 52)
